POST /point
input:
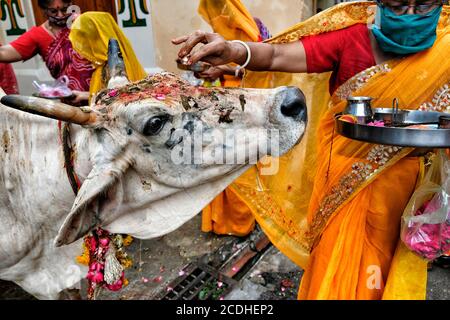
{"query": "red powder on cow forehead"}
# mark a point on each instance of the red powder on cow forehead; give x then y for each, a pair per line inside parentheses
(162, 87)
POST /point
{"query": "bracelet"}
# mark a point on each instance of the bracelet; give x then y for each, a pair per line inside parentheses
(249, 57)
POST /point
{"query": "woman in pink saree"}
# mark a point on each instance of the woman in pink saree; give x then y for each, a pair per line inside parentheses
(51, 41)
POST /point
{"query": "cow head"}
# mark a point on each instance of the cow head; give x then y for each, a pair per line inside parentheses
(162, 149)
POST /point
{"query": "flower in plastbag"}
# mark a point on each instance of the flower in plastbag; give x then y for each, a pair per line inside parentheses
(429, 240)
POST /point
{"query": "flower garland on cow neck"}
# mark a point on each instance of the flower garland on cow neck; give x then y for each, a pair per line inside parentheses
(103, 252)
(107, 261)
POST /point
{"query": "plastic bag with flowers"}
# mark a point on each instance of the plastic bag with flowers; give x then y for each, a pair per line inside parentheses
(426, 220)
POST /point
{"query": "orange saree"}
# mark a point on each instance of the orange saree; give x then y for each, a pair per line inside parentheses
(346, 236)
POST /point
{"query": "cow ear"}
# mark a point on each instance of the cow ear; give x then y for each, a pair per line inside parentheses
(84, 215)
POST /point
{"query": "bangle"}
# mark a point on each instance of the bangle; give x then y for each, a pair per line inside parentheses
(249, 57)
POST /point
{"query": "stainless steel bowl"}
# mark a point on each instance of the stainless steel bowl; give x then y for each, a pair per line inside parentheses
(361, 108)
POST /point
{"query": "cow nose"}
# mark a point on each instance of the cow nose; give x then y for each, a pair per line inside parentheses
(294, 104)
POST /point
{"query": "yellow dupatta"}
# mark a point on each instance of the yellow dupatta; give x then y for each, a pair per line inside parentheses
(282, 208)
(332, 224)
(90, 34)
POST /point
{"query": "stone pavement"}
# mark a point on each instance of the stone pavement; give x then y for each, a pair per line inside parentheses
(249, 270)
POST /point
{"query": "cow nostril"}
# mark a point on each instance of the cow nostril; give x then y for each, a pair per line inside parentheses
(294, 104)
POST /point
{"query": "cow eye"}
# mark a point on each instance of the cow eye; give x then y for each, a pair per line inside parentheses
(154, 125)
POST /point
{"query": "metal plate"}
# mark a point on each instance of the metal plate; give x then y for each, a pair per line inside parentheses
(403, 137)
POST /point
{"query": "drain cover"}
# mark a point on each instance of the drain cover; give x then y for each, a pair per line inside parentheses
(200, 282)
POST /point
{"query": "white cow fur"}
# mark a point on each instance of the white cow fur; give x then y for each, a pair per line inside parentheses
(36, 198)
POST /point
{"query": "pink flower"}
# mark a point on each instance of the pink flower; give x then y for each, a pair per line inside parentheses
(160, 97)
(96, 266)
(426, 239)
(157, 279)
(113, 93)
(145, 280)
(92, 244)
(181, 273)
(219, 284)
(118, 285)
(95, 276)
(376, 123)
(104, 242)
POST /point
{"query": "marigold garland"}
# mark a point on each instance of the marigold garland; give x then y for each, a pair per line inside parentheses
(104, 255)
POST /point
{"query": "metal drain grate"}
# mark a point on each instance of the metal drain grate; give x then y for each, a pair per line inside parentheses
(200, 282)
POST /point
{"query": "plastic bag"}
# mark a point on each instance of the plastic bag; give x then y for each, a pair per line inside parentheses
(426, 219)
(59, 89)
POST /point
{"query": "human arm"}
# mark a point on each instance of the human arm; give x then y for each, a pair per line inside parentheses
(78, 98)
(8, 54)
(290, 57)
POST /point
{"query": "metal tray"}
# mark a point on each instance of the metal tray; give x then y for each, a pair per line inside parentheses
(433, 137)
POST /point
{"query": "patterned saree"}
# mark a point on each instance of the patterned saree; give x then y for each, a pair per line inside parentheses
(336, 204)
(62, 59)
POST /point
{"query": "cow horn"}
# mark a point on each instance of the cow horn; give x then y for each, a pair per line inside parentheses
(117, 74)
(49, 109)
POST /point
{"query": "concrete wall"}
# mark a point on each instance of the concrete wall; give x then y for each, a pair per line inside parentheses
(178, 17)
(167, 19)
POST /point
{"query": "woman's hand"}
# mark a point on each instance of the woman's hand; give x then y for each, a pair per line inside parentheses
(214, 73)
(287, 57)
(216, 50)
(78, 98)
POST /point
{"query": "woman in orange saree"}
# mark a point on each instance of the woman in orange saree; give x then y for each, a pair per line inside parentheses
(349, 241)
(347, 238)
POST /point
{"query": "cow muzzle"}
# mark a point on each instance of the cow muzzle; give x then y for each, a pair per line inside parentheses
(293, 104)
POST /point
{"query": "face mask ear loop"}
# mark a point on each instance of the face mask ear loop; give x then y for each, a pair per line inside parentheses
(375, 22)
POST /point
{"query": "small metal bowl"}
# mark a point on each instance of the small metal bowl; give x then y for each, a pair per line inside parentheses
(360, 107)
(444, 122)
(195, 67)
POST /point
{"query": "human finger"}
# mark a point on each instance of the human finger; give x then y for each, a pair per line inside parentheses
(212, 53)
(191, 41)
(180, 40)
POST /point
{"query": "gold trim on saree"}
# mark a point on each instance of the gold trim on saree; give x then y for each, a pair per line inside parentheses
(358, 81)
(338, 17)
(440, 101)
(379, 158)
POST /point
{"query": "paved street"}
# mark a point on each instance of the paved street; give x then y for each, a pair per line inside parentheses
(160, 263)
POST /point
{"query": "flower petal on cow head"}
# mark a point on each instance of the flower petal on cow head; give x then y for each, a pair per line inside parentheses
(85, 215)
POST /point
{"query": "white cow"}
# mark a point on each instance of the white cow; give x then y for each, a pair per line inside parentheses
(126, 151)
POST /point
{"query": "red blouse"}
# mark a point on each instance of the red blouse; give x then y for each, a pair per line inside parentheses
(345, 52)
(8, 81)
(35, 41)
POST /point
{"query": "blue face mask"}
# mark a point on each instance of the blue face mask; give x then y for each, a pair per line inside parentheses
(407, 33)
